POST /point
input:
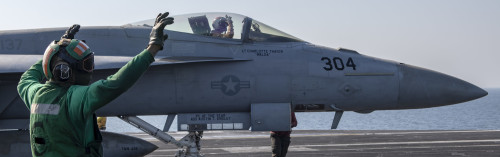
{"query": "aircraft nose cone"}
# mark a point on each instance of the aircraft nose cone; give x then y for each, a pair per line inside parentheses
(421, 88)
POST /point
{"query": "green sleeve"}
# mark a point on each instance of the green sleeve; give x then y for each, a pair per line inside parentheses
(30, 83)
(102, 92)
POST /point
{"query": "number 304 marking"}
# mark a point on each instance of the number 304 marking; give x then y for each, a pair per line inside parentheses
(338, 63)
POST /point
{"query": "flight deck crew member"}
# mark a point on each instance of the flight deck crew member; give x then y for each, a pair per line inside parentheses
(280, 140)
(62, 119)
(223, 27)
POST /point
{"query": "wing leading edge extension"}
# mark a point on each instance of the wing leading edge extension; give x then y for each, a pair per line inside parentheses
(11, 64)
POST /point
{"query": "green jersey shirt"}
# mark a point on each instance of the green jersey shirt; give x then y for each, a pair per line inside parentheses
(62, 120)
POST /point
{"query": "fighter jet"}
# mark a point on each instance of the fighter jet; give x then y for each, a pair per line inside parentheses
(252, 79)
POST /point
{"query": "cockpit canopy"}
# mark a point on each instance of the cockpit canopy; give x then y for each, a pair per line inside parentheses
(242, 28)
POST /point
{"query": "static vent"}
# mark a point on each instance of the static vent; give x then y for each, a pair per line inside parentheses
(348, 50)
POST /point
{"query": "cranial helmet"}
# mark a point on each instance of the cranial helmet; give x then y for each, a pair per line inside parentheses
(220, 24)
(68, 60)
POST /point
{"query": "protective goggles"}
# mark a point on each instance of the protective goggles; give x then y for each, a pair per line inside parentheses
(86, 64)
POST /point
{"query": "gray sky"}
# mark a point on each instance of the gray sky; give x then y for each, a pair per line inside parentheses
(455, 37)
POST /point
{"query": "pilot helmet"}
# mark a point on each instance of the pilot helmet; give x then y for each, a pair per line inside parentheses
(68, 60)
(220, 24)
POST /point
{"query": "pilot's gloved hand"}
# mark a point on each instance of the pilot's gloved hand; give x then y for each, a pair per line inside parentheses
(157, 37)
(70, 33)
(229, 20)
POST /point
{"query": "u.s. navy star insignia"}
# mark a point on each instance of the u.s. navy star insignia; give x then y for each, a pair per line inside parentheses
(230, 85)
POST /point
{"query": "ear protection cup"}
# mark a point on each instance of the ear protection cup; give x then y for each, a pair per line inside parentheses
(62, 72)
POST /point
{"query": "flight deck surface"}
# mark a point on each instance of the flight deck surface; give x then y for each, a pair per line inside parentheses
(484, 143)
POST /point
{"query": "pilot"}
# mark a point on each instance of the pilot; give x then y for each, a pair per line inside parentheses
(101, 123)
(223, 27)
(280, 140)
(62, 118)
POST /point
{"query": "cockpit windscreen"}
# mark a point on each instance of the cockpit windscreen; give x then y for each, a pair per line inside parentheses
(224, 25)
(264, 33)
